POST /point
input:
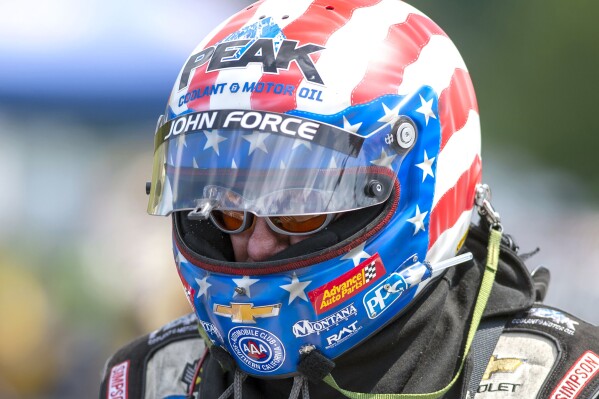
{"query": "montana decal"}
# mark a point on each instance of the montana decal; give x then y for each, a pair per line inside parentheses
(258, 349)
(306, 327)
(344, 287)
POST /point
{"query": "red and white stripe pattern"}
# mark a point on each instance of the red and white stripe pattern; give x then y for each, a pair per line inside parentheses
(372, 48)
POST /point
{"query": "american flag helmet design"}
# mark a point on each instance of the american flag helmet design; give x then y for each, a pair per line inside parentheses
(294, 107)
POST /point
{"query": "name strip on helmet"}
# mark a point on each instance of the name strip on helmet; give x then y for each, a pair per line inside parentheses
(268, 122)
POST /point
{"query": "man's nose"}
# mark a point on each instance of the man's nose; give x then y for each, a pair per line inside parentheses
(263, 242)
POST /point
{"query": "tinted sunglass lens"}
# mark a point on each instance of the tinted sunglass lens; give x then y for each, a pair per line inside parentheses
(299, 224)
(228, 220)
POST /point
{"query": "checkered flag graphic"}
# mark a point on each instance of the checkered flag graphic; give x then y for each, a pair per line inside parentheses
(370, 272)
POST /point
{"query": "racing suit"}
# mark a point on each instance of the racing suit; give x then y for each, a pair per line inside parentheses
(538, 352)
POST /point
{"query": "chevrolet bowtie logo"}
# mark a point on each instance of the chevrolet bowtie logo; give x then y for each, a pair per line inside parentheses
(246, 312)
(504, 365)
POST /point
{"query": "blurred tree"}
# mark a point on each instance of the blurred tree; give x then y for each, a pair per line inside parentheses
(534, 68)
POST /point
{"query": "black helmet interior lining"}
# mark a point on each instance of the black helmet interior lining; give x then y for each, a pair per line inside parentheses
(204, 239)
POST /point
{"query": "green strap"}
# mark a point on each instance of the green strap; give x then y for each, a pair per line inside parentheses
(205, 336)
(479, 308)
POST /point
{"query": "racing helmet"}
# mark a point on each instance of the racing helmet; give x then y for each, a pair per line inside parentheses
(357, 113)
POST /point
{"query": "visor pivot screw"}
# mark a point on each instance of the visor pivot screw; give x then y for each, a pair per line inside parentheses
(374, 189)
(148, 187)
(406, 133)
(240, 290)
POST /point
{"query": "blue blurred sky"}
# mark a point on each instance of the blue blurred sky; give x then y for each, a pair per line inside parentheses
(105, 61)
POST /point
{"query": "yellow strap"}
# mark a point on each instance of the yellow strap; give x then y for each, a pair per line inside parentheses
(479, 308)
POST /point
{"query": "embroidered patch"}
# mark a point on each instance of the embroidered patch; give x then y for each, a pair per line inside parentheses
(556, 317)
(501, 365)
(172, 360)
(579, 375)
(181, 325)
(520, 364)
(188, 374)
(117, 383)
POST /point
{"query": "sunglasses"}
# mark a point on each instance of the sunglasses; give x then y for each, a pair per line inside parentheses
(234, 222)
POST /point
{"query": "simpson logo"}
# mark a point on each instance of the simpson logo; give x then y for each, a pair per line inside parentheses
(347, 285)
(583, 371)
(257, 348)
(118, 381)
(305, 327)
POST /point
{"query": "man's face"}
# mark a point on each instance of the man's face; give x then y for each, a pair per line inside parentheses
(260, 242)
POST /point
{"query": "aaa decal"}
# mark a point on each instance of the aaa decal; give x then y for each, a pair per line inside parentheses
(347, 285)
(258, 349)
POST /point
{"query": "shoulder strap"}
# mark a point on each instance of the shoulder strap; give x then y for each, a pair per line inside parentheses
(485, 341)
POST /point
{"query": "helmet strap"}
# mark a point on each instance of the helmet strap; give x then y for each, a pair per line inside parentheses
(484, 291)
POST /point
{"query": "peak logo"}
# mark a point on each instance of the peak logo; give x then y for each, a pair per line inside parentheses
(241, 53)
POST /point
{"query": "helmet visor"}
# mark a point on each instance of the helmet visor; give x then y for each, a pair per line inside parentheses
(269, 164)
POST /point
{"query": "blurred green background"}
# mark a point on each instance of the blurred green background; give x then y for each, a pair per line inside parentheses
(83, 269)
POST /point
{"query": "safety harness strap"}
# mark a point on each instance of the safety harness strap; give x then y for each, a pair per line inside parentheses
(485, 341)
(479, 308)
